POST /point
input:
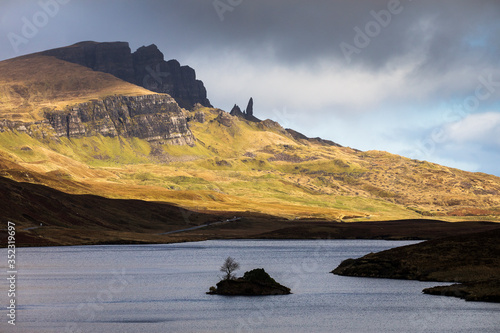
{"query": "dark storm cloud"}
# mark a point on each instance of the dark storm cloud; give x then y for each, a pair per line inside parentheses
(443, 32)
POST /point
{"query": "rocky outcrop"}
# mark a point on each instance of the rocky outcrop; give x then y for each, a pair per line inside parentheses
(199, 116)
(114, 58)
(225, 119)
(236, 111)
(153, 73)
(304, 139)
(247, 114)
(149, 117)
(146, 67)
(249, 109)
(241, 287)
(254, 283)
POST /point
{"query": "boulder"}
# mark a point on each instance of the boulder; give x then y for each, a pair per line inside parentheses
(225, 119)
(200, 117)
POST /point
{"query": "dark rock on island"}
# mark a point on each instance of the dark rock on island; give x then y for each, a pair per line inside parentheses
(471, 259)
(253, 283)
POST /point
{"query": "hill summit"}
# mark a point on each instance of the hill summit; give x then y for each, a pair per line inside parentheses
(146, 68)
(95, 118)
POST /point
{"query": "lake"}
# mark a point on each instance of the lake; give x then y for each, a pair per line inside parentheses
(161, 288)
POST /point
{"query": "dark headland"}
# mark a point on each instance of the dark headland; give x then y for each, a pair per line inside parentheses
(471, 260)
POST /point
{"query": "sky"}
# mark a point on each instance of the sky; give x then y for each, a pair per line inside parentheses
(415, 78)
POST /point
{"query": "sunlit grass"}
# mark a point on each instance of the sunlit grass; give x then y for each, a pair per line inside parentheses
(26, 91)
(248, 167)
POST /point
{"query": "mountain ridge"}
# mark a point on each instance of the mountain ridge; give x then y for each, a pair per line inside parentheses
(33, 84)
(145, 67)
(83, 139)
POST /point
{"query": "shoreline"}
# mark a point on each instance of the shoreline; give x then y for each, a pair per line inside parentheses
(251, 227)
(470, 260)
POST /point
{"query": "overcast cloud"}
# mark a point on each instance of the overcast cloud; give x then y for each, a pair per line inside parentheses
(417, 78)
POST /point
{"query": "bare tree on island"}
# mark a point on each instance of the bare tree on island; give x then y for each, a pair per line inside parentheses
(228, 267)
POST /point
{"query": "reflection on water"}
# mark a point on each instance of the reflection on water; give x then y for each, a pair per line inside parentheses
(161, 288)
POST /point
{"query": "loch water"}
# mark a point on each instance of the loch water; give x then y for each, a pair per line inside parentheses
(162, 288)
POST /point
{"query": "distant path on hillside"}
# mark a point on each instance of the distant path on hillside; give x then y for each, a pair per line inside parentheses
(202, 226)
(31, 228)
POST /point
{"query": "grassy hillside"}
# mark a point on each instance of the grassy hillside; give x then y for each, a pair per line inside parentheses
(235, 165)
(44, 216)
(239, 168)
(34, 83)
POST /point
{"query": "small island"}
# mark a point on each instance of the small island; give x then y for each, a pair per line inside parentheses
(256, 282)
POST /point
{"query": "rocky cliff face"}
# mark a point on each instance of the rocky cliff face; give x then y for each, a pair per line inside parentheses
(153, 73)
(150, 117)
(146, 67)
(113, 58)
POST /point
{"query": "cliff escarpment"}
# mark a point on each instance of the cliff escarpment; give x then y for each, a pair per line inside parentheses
(148, 117)
(146, 68)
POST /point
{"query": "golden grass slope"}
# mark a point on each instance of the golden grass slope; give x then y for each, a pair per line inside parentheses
(248, 167)
(33, 83)
(235, 165)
